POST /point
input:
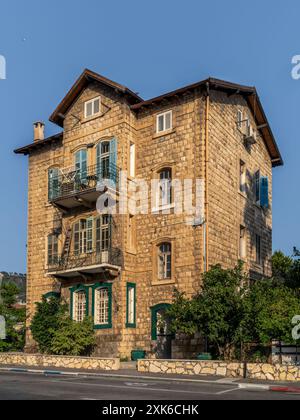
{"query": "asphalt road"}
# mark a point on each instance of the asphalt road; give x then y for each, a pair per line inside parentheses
(19, 386)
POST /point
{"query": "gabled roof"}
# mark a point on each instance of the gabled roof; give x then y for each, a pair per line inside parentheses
(137, 103)
(86, 77)
(39, 144)
(253, 100)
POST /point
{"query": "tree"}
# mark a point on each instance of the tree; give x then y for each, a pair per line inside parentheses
(46, 321)
(269, 308)
(287, 269)
(14, 317)
(216, 311)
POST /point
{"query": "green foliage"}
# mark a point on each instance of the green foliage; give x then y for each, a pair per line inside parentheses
(46, 321)
(57, 334)
(287, 269)
(15, 319)
(216, 311)
(269, 308)
(73, 338)
(229, 312)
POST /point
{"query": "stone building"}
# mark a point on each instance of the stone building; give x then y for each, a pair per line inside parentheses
(121, 269)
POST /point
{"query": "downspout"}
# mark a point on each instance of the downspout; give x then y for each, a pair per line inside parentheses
(206, 224)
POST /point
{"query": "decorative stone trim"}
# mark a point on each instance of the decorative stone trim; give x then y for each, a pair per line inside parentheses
(69, 362)
(229, 370)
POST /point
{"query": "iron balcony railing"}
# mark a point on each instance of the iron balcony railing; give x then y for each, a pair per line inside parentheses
(76, 261)
(73, 181)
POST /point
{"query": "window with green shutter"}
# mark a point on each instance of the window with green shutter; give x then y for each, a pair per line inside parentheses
(131, 305)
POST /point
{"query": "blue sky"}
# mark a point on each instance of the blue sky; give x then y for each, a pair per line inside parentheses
(152, 47)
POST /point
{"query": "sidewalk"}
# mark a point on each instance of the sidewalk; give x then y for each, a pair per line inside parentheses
(131, 373)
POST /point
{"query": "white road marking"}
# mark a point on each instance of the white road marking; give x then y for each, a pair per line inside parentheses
(228, 391)
(148, 389)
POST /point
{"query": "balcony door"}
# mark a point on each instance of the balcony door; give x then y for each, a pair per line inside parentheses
(81, 166)
(107, 160)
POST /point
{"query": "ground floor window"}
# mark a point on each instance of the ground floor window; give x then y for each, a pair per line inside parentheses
(102, 306)
(131, 306)
(79, 303)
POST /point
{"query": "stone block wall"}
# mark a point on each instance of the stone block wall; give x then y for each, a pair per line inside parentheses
(258, 371)
(64, 362)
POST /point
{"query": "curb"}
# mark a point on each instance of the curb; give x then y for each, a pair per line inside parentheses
(224, 382)
(287, 389)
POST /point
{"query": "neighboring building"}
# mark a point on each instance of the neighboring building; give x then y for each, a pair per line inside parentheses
(122, 269)
(19, 280)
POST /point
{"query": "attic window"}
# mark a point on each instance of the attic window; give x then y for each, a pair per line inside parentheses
(92, 107)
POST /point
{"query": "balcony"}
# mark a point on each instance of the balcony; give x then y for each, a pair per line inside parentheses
(89, 263)
(82, 187)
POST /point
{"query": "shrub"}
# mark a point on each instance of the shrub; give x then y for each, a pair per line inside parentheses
(73, 338)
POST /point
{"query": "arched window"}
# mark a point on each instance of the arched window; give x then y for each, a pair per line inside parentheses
(106, 157)
(165, 261)
(102, 305)
(165, 180)
(79, 305)
(53, 184)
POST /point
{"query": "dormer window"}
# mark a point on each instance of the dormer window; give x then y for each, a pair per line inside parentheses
(164, 122)
(92, 107)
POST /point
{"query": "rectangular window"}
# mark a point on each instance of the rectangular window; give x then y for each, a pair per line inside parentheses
(243, 243)
(52, 249)
(105, 233)
(132, 161)
(92, 108)
(131, 306)
(164, 122)
(258, 249)
(257, 187)
(240, 118)
(242, 177)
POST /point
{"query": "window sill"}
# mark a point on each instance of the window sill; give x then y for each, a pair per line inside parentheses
(164, 133)
(163, 208)
(130, 326)
(131, 252)
(103, 327)
(163, 282)
(94, 117)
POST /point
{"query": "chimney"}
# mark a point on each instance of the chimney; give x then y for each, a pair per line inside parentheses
(39, 131)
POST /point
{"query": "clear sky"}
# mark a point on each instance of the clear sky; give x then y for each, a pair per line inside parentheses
(152, 47)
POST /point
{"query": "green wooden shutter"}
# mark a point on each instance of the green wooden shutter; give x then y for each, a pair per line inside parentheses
(113, 159)
(77, 238)
(98, 161)
(53, 183)
(89, 234)
(81, 165)
(264, 192)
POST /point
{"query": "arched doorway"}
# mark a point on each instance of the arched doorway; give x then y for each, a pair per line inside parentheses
(160, 331)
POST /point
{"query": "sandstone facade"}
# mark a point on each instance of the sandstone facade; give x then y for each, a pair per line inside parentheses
(201, 144)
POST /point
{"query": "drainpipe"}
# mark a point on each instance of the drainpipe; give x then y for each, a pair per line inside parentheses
(205, 235)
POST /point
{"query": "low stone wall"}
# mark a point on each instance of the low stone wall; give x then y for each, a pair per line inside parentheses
(228, 370)
(37, 360)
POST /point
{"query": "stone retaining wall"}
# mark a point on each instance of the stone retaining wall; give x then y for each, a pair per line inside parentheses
(37, 360)
(229, 370)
